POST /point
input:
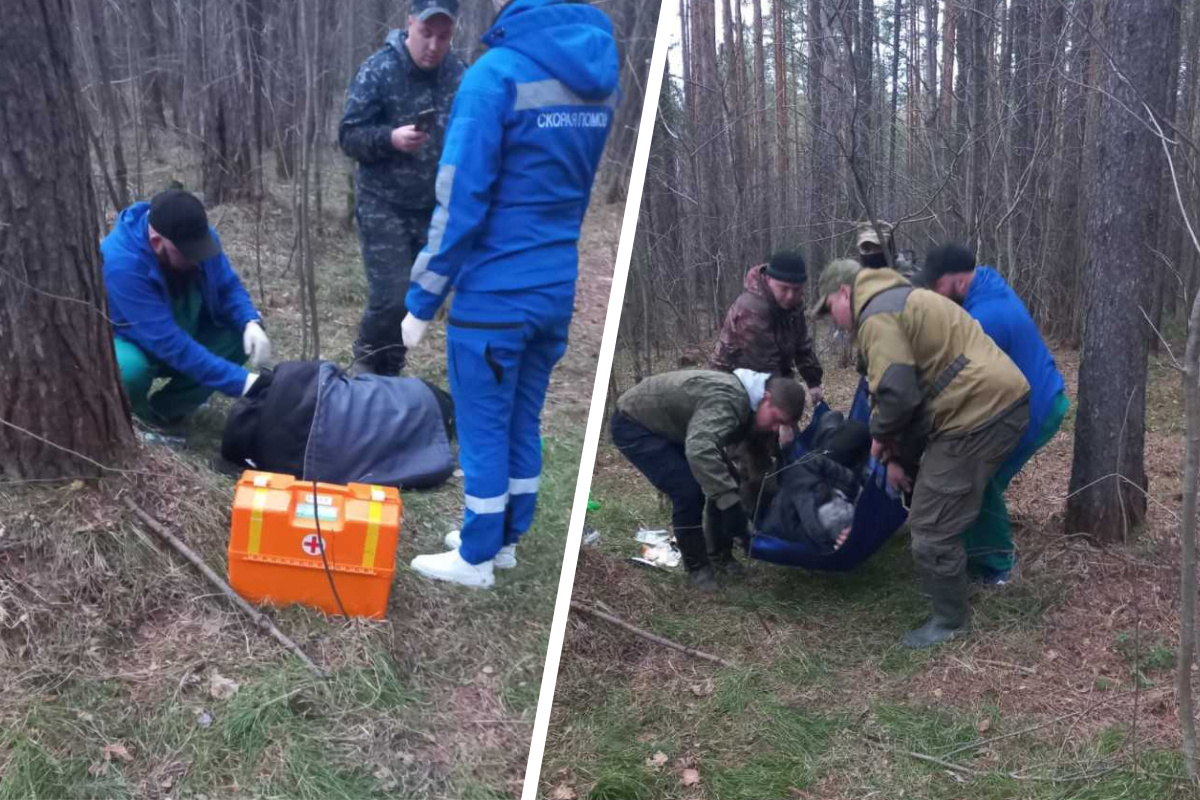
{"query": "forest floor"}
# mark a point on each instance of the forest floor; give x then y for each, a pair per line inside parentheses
(1063, 690)
(114, 653)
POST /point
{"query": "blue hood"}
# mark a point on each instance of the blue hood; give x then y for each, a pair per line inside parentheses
(1003, 316)
(130, 234)
(574, 43)
(987, 285)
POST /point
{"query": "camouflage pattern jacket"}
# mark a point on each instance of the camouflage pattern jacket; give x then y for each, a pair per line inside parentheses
(388, 92)
(761, 336)
(702, 410)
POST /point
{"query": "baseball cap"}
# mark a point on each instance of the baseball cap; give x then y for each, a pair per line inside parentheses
(424, 9)
(837, 274)
(179, 217)
(944, 260)
(865, 233)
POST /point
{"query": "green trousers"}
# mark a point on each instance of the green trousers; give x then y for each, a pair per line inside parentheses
(989, 542)
(180, 395)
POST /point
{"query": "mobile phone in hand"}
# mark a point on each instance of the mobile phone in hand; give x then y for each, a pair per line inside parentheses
(425, 120)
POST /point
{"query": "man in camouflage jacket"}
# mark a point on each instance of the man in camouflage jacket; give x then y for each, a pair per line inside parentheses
(764, 329)
(397, 165)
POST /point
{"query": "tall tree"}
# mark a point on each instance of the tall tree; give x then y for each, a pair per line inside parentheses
(108, 100)
(783, 179)
(62, 412)
(818, 189)
(1110, 429)
(760, 132)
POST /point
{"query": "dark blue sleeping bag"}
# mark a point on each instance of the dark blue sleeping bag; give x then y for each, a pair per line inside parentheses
(878, 513)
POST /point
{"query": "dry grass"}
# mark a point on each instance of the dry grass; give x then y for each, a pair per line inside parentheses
(108, 641)
(823, 703)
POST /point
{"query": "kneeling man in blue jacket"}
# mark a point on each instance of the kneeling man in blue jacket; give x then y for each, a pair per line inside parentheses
(525, 138)
(983, 293)
(178, 309)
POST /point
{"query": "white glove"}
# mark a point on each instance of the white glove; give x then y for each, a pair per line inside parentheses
(250, 379)
(256, 344)
(411, 330)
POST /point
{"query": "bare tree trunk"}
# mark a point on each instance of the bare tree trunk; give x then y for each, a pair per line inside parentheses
(1187, 569)
(818, 204)
(897, 25)
(149, 77)
(1163, 276)
(62, 412)
(782, 171)
(949, 39)
(308, 298)
(865, 126)
(760, 135)
(1110, 428)
(108, 101)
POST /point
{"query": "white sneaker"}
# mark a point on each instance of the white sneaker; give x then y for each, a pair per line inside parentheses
(451, 567)
(505, 559)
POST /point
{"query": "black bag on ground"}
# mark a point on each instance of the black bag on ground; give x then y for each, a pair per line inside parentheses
(312, 420)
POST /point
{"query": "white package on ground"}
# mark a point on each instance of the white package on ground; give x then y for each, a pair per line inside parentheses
(658, 549)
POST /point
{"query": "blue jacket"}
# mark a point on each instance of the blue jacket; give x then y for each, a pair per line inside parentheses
(139, 303)
(525, 138)
(1004, 317)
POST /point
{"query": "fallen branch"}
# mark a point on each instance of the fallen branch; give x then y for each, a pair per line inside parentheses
(260, 619)
(979, 773)
(620, 623)
(1017, 667)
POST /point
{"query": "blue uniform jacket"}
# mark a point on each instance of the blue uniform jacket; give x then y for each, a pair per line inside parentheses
(525, 138)
(139, 303)
(1004, 317)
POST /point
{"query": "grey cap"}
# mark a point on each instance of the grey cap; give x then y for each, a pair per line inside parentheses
(424, 9)
(838, 273)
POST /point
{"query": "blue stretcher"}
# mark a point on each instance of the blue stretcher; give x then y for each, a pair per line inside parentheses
(878, 512)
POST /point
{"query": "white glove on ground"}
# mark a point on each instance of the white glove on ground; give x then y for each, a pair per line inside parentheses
(250, 379)
(412, 330)
(256, 344)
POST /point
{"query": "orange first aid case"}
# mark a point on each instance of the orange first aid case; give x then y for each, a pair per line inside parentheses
(275, 550)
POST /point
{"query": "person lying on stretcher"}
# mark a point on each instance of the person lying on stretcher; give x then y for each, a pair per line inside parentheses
(817, 490)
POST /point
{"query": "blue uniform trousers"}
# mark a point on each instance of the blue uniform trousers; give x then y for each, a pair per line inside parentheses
(501, 348)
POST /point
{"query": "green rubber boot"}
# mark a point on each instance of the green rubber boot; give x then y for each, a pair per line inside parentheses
(951, 611)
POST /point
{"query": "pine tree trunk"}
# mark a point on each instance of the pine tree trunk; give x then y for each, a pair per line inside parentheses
(818, 197)
(760, 134)
(782, 177)
(60, 383)
(108, 101)
(1110, 427)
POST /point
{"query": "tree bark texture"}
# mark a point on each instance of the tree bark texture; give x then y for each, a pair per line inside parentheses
(60, 374)
(1110, 428)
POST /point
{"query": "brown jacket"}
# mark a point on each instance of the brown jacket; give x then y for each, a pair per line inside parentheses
(929, 364)
(761, 336)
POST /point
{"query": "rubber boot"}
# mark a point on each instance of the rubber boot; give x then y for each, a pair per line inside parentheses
(951, 611)
(726, 564)
(702, 579)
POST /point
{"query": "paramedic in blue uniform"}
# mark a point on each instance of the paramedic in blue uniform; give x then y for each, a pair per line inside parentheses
(525, 137)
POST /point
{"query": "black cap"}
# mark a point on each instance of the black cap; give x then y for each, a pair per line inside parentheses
(180, 219)
(787, 266)
(948, 259)
(424, 9)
